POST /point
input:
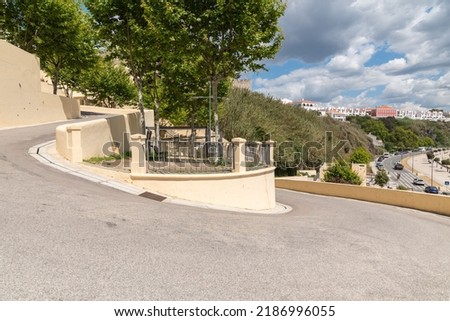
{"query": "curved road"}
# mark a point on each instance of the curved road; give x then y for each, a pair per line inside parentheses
(406, 176)
(64, 238)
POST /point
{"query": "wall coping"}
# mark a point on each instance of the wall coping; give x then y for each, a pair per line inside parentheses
(439, 204)
(199, 177)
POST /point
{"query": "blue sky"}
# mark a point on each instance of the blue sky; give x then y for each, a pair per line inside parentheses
(362, 53)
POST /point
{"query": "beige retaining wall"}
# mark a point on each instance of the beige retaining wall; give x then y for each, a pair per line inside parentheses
(421, 201)
(84, 140)
(21, 100)
(252, 190)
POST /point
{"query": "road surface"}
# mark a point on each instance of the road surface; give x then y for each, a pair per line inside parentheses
(64, 238)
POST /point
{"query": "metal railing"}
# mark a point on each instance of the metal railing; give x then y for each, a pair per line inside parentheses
(177, 156)
(257, 155)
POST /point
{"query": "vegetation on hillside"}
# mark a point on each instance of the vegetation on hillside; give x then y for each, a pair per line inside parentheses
(400, 134)
(300, 134)
(360, 156)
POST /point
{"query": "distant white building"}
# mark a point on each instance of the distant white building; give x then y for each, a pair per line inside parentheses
(423, 114)
(286, 101)
(311, 106)
(341, 113)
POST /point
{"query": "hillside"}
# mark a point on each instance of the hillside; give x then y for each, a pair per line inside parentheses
(406, 133)
(256, 117)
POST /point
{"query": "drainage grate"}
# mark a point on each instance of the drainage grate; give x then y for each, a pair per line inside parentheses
(152, 196)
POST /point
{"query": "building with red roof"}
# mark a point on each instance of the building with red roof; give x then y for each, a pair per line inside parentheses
(383, 112)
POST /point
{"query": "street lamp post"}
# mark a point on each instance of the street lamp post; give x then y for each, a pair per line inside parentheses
(432, 167)
(208, 130)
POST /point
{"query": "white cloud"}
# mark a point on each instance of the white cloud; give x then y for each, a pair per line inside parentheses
(338, 38)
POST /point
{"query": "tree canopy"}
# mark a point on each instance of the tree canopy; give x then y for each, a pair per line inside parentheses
(405, 133)
(126, 35)
(180, 54)
(223, 38)
(360, 156)
(108, 85)
(57, 31)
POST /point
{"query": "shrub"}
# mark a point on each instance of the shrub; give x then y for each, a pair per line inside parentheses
(341, 173)
(381, 178)
(361, 156)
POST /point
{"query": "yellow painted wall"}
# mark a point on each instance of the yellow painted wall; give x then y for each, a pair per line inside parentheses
(21, 99)
(253, 190)
(97, 137)
(421, 201)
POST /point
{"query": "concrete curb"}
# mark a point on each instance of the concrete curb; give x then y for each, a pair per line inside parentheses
(40, 153)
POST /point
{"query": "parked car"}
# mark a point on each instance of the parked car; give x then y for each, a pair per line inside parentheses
(418, 181)
(379, 165)
(431, 189)
(398, 166)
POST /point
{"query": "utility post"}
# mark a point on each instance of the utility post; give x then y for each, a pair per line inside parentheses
(432, 170)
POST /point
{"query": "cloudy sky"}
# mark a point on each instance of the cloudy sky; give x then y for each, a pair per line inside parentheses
(361, 53)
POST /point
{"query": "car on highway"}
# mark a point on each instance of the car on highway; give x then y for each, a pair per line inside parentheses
(431, 189)
(398, 166)
(418, 181)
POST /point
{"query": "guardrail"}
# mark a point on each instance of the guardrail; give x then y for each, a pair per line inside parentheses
(187, 157)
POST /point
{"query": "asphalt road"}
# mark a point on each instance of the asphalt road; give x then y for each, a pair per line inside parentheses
(64, 238)
(406, 176)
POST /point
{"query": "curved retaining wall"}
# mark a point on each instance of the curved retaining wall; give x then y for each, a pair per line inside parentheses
(439, 204)
(99, 137)
(253, 190)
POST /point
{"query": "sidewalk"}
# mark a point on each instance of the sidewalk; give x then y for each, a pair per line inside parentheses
(427, 171)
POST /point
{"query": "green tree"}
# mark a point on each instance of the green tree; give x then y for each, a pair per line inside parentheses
(403, 138)
(128, 36)
(381, 178)
(2, 19)
(108, 85)
(341, 173)
(360, 156)
(426, 142)
(57, 31)
(17, 27)
(228, 37)
(371, 125)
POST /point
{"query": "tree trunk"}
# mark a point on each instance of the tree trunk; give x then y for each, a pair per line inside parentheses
(140, 102)
(55, 80)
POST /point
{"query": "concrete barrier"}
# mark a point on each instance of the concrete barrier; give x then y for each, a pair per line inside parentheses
(99, 137)
(439, 204)
(253, 190)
